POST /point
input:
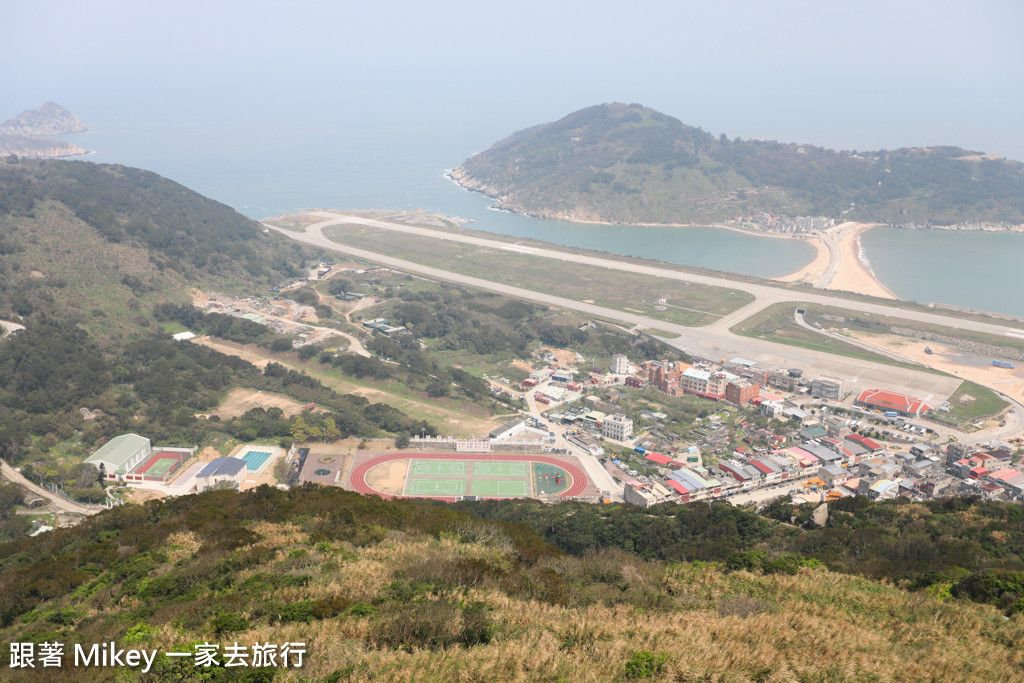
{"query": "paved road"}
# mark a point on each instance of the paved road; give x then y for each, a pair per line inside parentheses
(766, 294)
(706, 342)
(57, 501)
(713, 341)
(834, 258)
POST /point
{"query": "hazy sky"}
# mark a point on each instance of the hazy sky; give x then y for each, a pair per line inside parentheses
(849, 75)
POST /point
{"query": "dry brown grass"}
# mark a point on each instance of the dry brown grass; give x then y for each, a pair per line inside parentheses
(815, 626)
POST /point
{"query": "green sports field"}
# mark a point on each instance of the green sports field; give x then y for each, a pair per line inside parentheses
(500, 488)
(161, 467)
(483, 468)
(438, 467)
(435, 487)
(485, 478)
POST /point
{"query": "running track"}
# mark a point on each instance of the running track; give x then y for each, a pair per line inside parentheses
(358, 478)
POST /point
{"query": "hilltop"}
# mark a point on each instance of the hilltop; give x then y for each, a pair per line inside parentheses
(22, 135)
(630, 164)
(49, 119)
(414, 591)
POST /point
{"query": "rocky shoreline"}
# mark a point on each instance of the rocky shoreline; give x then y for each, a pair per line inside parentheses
(465, 181)
(29, 133)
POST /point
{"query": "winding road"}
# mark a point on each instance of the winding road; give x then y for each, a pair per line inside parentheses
(59, 502)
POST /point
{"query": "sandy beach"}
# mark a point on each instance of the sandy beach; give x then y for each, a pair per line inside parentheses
(853, 275)
(812, 272)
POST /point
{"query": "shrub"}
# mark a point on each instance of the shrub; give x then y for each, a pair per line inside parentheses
(229, 622)
(644, 664)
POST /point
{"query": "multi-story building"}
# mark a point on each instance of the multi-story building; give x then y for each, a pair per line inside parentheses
(617, 427)
(620, 364)
(741, 392)
(829, 389)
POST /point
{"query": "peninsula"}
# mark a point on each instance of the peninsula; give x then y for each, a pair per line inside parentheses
(629, 164)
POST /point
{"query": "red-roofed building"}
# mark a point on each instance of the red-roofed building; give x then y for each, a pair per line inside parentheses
(658, 458)
(864, 441)
(890, 400)
(680, 489)
(978, 472)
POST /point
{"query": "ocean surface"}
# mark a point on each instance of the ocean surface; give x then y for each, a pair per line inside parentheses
(267, 169)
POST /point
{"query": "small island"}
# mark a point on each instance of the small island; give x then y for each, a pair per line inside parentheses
(28, 134)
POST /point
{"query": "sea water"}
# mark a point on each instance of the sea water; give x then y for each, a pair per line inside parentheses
(264, 169)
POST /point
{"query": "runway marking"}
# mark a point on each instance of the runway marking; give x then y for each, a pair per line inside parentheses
(1013, 333)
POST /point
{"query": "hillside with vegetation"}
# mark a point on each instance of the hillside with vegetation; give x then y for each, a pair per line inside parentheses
(414, 591)
(101, 244)
(630, 164)
(95, 262)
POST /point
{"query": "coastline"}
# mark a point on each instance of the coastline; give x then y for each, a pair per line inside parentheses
(450, 175)
(813, 272)
(854, 273)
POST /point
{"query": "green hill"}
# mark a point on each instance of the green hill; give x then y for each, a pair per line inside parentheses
(630, 164)
(413, 591)
(95, 260)
(102, 244)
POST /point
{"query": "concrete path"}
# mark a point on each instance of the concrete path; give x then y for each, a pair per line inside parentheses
(57, 501)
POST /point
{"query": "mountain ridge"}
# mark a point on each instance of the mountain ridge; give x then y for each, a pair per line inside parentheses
(629, 164)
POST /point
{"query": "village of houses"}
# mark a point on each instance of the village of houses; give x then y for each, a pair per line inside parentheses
(818, 456)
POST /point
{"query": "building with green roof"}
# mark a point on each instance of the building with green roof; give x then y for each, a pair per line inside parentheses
(121, 454)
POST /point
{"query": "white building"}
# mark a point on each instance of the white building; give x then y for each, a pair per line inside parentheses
(617, 427)
(220, 470)
(620, 364)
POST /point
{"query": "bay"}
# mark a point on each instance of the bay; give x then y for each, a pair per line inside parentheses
(979, 270)
(267, 168)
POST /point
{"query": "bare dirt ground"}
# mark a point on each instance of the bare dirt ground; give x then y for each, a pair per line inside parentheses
(389, 477)
(853, 275)
(241, 400)
(142, 495)
(233, 349)
(566, 358)
(813, 271)
(1010, 382)
(522, 365)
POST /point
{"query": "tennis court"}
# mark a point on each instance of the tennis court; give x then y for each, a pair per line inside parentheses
(160, 465)
(482, 468)
(500, 488)
(435, 487)
(439, 467)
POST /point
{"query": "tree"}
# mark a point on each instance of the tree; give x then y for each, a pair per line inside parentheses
(437, 388)
(300, 430)
(331, 432)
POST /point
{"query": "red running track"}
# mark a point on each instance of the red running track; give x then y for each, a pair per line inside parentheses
(358, 478)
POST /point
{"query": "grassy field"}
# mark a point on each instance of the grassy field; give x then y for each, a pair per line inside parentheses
(880, 324)
(980, 316)
(971, 401)
(776, 324)
(688, 304)
(452, 416)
